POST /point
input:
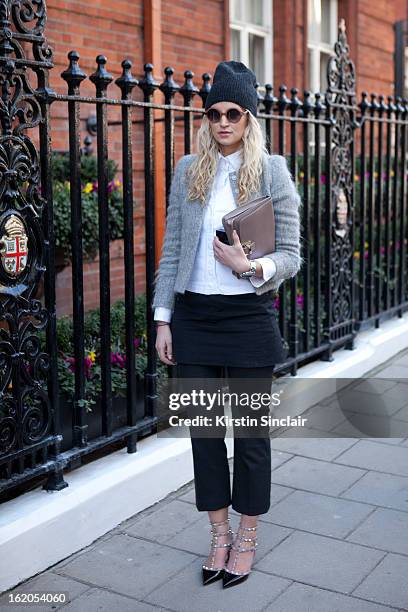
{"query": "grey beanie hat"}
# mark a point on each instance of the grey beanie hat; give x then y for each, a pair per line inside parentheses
(233, 82)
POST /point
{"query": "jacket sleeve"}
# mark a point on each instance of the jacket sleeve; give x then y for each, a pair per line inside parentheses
(165, 275)
(287, 205)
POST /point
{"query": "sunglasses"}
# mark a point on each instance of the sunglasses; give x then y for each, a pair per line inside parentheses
(233, 115)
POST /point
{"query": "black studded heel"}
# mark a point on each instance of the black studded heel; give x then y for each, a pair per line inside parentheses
(211, 573)
(232, 578)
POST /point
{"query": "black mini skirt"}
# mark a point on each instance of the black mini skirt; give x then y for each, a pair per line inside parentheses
(238, 330)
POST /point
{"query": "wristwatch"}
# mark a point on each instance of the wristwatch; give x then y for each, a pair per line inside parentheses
(250, 272)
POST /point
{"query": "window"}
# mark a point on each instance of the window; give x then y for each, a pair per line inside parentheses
(322, 34)
(251, 36)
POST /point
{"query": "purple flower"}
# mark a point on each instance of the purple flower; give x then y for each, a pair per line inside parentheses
(71, 361)
(118, 359)
(87, 363)
(121, 361)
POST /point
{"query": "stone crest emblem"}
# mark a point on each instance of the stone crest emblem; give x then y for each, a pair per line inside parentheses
(13, 246)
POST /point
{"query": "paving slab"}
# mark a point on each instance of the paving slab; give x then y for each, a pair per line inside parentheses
(370, 455)
(402, 414)
(185, 592)
(380, 490)
(385, 529)
(102, 600)
(375, 384)
(278, 457)
(46, 582)
(168, 521)
(394, 371)
(316, 447)
(321, 561)
(304, 598)
(402, 360)
(387, 583)
(321, 514)
(388, 429)
(278, 492)
(188, 497)
(127, 565)
(323, 418)
(369, 403)
(318, 476)
(399, 392)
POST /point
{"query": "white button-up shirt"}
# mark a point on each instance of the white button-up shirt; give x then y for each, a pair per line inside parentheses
(210, 276)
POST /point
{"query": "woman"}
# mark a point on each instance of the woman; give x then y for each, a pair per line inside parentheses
(214, 309)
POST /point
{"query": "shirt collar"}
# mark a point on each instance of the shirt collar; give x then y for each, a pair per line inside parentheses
(232, 161)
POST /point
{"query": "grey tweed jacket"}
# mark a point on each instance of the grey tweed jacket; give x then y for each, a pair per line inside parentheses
(185, 217)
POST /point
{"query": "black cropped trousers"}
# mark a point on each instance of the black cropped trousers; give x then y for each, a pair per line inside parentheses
(251, 488)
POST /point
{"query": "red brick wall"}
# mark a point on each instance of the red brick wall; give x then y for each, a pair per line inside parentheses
(376, 44)
(113, 29)
(192, 35)
(289, 34)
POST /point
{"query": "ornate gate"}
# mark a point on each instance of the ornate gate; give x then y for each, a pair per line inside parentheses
(29, 439)
(341, 110)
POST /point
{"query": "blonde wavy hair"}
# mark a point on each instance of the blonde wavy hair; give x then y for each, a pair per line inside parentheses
(202, 170)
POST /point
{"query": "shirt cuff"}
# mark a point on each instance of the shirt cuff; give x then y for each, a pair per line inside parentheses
(162, 314)
(268, 270)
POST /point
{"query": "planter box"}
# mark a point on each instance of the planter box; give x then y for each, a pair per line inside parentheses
(94, 419)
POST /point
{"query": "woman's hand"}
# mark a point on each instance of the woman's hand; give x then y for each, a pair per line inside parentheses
(164, 344)
(233, 255)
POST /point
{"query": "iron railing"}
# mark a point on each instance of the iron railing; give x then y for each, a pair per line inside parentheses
(348, 160)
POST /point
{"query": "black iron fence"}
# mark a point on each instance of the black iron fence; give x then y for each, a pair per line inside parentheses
(348, 159)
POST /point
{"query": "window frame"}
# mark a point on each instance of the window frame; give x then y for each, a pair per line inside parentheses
(244, 28)
(316, 49)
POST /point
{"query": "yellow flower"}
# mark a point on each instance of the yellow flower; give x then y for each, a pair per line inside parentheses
(92, 356)
(356, 177)
(88, 188)
(117, 183)
(301, 174)
(366, 244)
(376, 174)
(356, 254)
(392, 173)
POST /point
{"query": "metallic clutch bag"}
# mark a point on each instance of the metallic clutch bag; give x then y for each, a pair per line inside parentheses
(255, 225)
